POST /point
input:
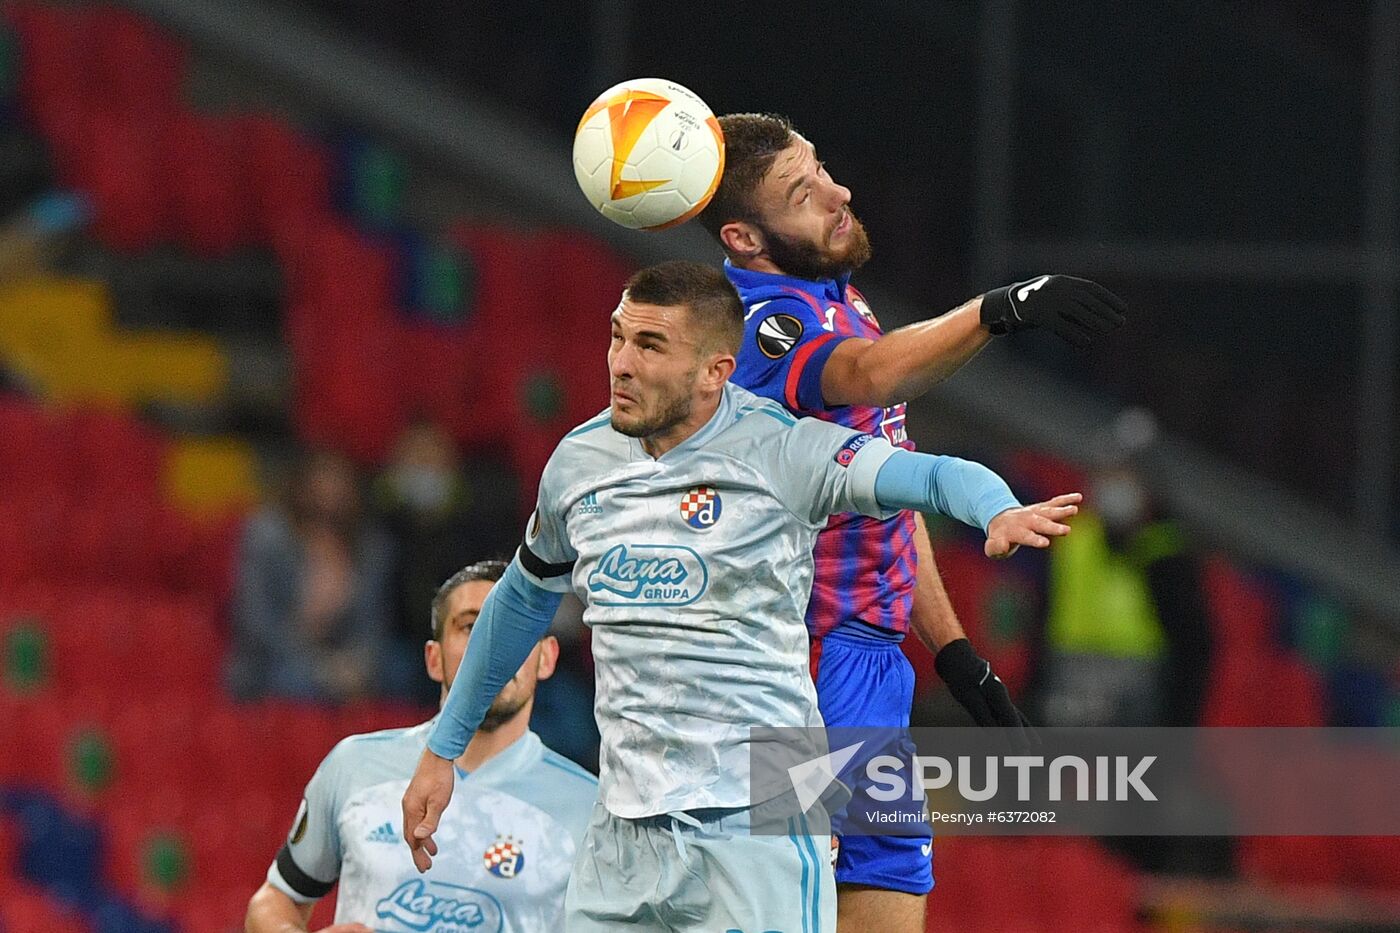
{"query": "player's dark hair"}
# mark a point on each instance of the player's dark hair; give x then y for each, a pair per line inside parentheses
(751, 142)
(481, 570)
(706, 293)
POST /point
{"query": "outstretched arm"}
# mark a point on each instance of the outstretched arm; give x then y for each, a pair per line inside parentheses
(515, 615)
(907, 362)
(904, 363)
(975, 496)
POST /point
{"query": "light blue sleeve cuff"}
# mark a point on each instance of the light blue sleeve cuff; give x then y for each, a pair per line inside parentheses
(515, 616)
(960, 489)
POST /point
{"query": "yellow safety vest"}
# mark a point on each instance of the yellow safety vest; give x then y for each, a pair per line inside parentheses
(1100, 600)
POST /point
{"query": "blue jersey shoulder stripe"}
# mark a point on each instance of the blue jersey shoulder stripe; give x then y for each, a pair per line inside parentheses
(771, 411)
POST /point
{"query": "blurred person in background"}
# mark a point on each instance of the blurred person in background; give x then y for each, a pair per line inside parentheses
(311, 616)
(511, 844)
(1126, 638)
(1127, 641)
(436, 512)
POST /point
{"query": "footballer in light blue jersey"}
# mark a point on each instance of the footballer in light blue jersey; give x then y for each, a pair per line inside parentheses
(513, 842)
(683, 517)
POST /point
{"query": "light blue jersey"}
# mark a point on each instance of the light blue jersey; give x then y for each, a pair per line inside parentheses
(695, 571)
(508, 842)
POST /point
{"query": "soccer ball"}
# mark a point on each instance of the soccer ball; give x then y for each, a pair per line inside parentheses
(648, 154)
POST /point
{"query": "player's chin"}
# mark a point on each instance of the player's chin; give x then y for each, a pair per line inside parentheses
(623, 422)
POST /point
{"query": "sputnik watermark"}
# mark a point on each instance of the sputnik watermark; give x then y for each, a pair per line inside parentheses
(1140, 782)
(1118, 778)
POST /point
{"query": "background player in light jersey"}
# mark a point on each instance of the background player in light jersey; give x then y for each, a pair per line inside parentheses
(513, 839)
(684, 518)
(813, 344)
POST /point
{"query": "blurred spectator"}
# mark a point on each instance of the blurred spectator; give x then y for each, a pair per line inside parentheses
(311, 616)
(1126, 640)
(439, 516)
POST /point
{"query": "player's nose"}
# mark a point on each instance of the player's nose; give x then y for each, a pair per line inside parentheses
(839, 195)
(620, 362)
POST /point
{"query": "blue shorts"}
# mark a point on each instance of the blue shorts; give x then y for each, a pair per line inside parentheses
(864, 681)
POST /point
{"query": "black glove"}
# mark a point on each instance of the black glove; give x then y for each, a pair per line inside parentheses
(1076, 309)
(982, 694)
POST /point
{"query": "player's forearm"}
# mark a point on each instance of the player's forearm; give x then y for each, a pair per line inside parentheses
(904, 363)
(960, 489)
(515, 615)
(271, 911)
(932, 619)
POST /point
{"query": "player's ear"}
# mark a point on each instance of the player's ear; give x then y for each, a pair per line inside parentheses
(718, 371)
(548, 659)
(432, 659)
(742, 239)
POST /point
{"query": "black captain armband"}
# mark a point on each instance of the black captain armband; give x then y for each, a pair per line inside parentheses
(298, 880)
(539, 567)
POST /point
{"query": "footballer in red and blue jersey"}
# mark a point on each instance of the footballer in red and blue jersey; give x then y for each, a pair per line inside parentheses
(863, 583)
(864, 567)
(812, 344)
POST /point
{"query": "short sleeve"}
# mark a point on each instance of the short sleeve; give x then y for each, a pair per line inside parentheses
(309, 863)
(820, 469)
(785, 349)
(545, 554)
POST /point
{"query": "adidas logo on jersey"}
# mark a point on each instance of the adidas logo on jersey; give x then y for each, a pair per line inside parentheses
(589, 505)
(383, 833)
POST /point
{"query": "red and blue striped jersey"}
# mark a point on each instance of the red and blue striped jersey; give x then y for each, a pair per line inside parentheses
(865, 568)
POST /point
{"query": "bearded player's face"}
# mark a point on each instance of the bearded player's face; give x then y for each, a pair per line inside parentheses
(652, 366)
(444, 657)
(805, 217)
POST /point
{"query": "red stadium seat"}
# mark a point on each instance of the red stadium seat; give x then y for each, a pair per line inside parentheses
(343, 279)
(198, 913)
(348, 397)
(209, 201)
(119, 169)
(513, 313)
(289, 186)
(1043, 476)
(36, 758)
(26, 909)
(54, 46)
(9, 846)
(1106, 892)
(1000, 884)
(134, 68)
(1311, 860)
(981, 887)
(437, 367)
(226, 852)
(1374, 861)
(34, 455)
(114, 454)
(1244, 614)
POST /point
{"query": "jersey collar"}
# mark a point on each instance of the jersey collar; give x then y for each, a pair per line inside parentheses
(512, 759)
(822, 290)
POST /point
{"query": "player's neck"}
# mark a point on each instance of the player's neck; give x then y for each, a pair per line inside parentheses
(760, 263)
(655, 445)
(487, 745)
